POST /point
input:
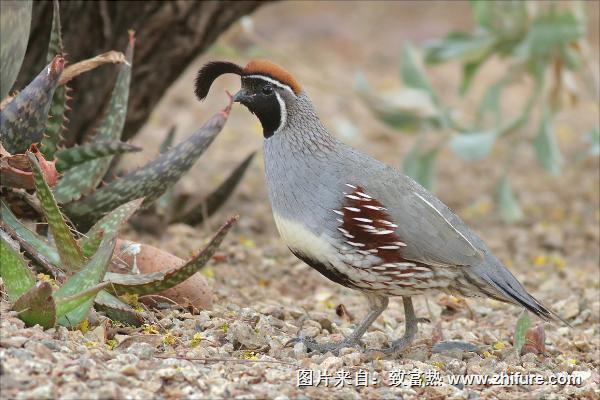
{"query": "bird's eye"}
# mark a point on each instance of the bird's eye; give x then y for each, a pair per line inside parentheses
(267, 89)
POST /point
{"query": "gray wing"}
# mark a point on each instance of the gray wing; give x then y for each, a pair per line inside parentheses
(433, 234)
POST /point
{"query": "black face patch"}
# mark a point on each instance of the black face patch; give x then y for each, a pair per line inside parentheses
(262, 101)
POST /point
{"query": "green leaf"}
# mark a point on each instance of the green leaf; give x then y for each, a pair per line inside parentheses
(491, 103)
(15, 273)
(36, 306)
(117, 310)
(546, 148)
(473, 145)
(57, 118)
(195, 215)
(460, 46)
(87, 176)
(23, 120)
(110, 224)
(406, 109)
(411, 72)
(509, 207)
(420, 165)
(37, 242)
(150, 181)
(73, 156)
(523, 325)
(90, 275)
(482, 12)
(550, 33)
(15, 21)
(144, 284)
(68, 249)
(83, 299)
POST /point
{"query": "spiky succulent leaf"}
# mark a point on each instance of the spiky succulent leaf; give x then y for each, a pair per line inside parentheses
(55, 46)
(17, 277)
(15, 21)
(90, 275)
(117, 310)
(37, 306)
(56, 122)
(90, 245)
(150, 181)
(24, 234)
(74, 156)
(70, 253)
(143, 284)
(58, 107)
(163, 203)
(67, 304)
(217, 198)
(88, 175)
(111, 222)
(23, 120)
(167, 142)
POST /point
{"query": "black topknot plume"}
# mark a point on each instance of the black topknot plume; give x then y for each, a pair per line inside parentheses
(211, 71)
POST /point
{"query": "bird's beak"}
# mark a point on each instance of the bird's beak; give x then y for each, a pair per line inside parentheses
(240, 96)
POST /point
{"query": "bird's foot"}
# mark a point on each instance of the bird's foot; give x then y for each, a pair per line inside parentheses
(402, 343)
(334, 347)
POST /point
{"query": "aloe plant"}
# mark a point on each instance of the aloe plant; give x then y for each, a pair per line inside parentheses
(86, 271)
(83, 219)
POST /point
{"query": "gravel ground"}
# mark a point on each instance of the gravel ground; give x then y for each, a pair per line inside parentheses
(265, 297)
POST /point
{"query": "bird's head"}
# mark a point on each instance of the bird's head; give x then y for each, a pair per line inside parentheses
(267, 90)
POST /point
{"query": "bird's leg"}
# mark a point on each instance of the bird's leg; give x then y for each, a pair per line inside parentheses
(411, 327)
(377, 304)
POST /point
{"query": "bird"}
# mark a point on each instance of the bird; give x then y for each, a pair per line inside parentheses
(357, 221)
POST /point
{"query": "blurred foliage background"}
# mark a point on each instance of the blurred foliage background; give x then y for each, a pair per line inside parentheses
(540, 43)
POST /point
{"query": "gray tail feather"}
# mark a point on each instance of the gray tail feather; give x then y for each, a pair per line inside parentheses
(500, 278)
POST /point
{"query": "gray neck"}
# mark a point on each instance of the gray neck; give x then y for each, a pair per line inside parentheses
(300, 163)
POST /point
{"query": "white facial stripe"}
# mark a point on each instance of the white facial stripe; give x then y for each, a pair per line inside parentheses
(282, 112)
(271, 80)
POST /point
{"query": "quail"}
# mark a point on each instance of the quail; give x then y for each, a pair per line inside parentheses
(357, 221)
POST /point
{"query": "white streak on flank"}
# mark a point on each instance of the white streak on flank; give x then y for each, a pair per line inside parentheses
(355, 244)
(448, 222)
(339, 220)
(406, 264)
(282, 112)
(351, 186)
(349, 236)
(400, 244)
(366, 196)
(384, 232)
(388, 247)
(367, 220)
(368, 228)
(353, 197)
(271, 80)
(353, 209)
(338, 212)
(376, 208)
(388, 223)
(344, 231)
